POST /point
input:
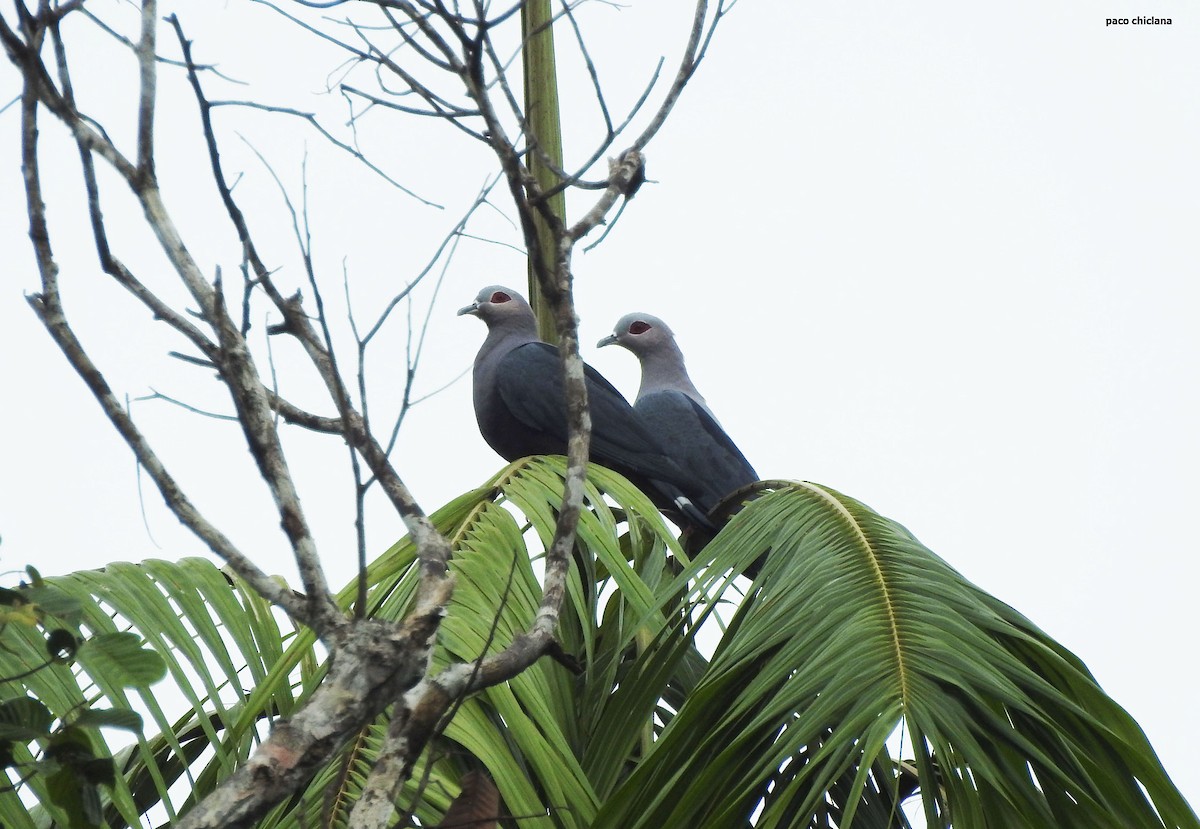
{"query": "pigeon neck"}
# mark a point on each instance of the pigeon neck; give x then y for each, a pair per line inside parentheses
(508, 336)
(663, 370)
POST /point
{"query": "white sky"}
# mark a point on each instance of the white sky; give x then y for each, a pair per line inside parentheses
(940, 256)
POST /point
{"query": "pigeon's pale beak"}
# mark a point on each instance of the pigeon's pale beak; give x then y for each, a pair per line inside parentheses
(611, 339)
(473, 308)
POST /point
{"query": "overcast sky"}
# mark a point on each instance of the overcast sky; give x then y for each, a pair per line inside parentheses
(939, 256)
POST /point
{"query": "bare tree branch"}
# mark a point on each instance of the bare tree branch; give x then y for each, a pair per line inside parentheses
(48, 306)
(149, 82)
(428, 57)
(434, 549)
(374, 662)
(693, 53)
(311, 119)
(120, 38)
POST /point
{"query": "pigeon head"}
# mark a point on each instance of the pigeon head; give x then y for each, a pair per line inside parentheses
(640, 333)
(653, 342)
(497, 306)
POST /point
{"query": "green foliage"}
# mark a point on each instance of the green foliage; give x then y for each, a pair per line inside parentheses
(120, 657)
(67, 762)
(854, 629)
(24, 719)
(851, 631)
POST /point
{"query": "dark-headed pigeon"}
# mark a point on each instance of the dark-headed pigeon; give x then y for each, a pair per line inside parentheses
(676, 413)
(520, 405)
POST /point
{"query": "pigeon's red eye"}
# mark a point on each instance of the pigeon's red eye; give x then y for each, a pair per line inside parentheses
(638, 327)
(500, 296)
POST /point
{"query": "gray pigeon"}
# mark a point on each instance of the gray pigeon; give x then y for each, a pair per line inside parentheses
(520, 406)
(676, 413)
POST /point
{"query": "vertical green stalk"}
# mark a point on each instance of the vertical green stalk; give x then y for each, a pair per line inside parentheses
(542, 114)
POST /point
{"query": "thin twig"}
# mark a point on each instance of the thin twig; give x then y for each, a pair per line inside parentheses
(124, 41)
(449, 238)
(311, 119)
(155, 395)
(693, 53)
(141, 496)
(48, 306)
(243, 380)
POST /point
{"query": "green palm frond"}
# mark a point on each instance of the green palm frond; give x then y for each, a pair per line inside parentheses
(236, 664)
(851, 631)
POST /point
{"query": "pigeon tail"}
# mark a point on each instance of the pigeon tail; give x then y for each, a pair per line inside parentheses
(693, 513)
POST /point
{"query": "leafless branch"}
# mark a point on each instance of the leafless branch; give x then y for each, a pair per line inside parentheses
(426, 720)
(693, 53)
(450, 238)
(311, 119)
(426, 60)
(295, 415)
(48, 307)
(608, 226)
(155, 395)
(433, 548)
(120, 38)
(591, 69)
(376, 662)
(149, 81)
(625, 173)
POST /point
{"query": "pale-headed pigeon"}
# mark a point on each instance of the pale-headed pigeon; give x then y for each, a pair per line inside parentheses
(520, 406)
(673, 409)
